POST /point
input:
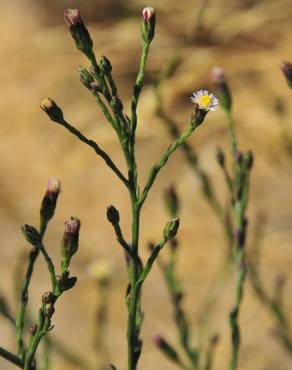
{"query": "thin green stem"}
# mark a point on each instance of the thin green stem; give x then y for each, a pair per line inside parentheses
(97, 150)
(51, 268)
(231, 133)
(163, 160)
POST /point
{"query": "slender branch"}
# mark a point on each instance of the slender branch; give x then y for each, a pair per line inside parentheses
(11, 357)
(163, 160)
(51, 268)
(97, 149)
(121, 239)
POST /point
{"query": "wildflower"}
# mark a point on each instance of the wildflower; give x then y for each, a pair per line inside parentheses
(205, 101)
(78, 31)
(286, 68)
(148, 24)
(53, 111)
(101, 271)
(222, 88)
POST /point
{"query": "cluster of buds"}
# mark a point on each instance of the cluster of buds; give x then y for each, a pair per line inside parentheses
(286, 68)
(148, 24)
(171, 229)
(53, 111)
(222, 88)
(78, 31)
(171, 200)
(69, 244)
(49, 201)
(65, 282)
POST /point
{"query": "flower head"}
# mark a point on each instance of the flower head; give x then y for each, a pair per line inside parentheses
(205, 100)
(148, 12)
(54, 185)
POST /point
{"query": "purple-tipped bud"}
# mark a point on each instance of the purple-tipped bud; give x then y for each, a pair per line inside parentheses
(49, 201)
(223, 91)
(286, 68)
(171, 200)
(78, 31)
(148, 24)
(69, 244)
(53, 111)
(32, 329)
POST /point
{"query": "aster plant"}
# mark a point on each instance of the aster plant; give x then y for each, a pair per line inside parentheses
(25, 358)
(98, 79)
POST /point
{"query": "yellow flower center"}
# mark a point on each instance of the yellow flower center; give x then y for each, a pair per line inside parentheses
(205, 101)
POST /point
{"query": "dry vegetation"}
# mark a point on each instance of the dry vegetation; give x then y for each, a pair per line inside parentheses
(248, 39)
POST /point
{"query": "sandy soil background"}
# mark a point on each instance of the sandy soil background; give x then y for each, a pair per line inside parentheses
(38, 58)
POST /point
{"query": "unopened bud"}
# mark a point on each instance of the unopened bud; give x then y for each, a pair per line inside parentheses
(222, 87)
(49, 310)
(166, 348)
(105, 65)
(78, 31)
(69, 244)
(171, 228)
(220, 156)
(171, 200)
(286, 68)
(53, 111)
(85, 77)
(49, 201)
(65, 282)
(48, 297)
(113, 215)
(148, 24)
(31, 235)
(32, 329)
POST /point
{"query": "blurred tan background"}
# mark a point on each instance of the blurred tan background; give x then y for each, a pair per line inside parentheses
(248, 38)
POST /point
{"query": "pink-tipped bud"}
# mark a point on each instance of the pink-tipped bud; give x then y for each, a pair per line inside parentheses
(78, 31)
(218, 75)
(69, 244)
(148, 13)
(286, 68)
(49, 201)
(223, 91)
(148, 24)
(54, 186)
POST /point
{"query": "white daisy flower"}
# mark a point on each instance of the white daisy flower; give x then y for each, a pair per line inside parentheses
(205, 100)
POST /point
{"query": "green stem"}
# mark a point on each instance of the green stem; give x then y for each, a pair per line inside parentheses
(11, 357)
(231, 133)
(97, 150)
(163, 160)
(51, 269)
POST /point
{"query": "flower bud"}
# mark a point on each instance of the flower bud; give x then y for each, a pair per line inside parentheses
(85, 77)
(220, 156)
(105, 65)
(113, 215)
(49, 201)
(65, 282)
(53, 111)
(171, 228)
(171, 200)
(32, 329)
(148, 24)
(69, 244)
(49, 310)
(78, 31)
(31, 235)
(222, 87)
(249, 159)
(48, 297)
(286, 68)
(166, 348)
